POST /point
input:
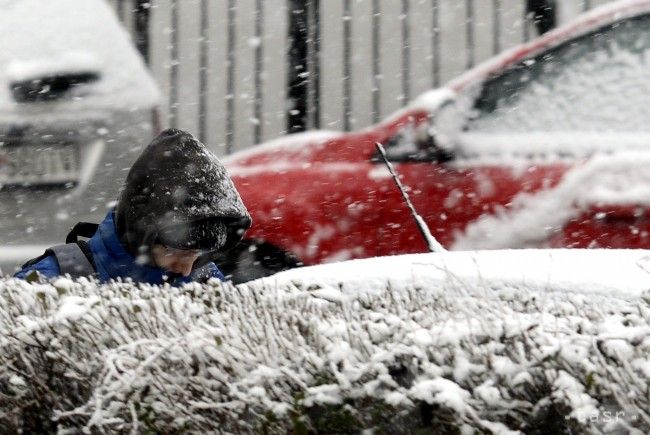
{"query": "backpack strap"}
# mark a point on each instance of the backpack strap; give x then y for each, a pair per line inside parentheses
(81, 229)
(35, 260)
(73, 259)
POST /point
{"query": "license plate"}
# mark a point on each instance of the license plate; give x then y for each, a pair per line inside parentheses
(39, 164)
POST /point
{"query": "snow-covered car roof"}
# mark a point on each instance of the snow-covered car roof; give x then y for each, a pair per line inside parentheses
(594, 19)
(46, 38)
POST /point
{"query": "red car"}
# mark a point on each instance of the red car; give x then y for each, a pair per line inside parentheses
(545, 145)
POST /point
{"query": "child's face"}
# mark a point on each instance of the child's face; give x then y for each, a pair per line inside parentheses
(175, 260)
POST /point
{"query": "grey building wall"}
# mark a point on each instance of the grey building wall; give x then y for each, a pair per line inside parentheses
(222, 64)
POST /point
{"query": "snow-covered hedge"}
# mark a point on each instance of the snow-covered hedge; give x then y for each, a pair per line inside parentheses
(267, 358)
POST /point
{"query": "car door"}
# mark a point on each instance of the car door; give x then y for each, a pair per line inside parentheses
(520, 166)
(449, 190)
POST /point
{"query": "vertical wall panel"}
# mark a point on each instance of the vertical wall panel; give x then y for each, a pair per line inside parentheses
(203, 70)
(391, 59)
(361, 64)
(405, 24)
(119, 8)
(258, 59)
(421, 50)
(274, 94)
(347, 63)
(436, 58)
(484, 29)
(216, 90)
(568, 9)
(470, 41)
(244, 74)
(375, 43)
(159, 35)
(453, 44)
(128, 19)
(332, 64)
(188, 68)
(512, 21)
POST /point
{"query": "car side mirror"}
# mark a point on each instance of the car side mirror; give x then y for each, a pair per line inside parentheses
(415, 143)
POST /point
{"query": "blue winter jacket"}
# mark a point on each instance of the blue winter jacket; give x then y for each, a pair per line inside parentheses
(113, 261)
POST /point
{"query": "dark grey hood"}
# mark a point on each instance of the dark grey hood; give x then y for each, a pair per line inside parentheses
(178, 194)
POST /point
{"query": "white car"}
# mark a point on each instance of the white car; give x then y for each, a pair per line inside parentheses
(77, 104)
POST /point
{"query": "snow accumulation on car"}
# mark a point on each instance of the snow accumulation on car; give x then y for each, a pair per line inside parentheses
(76, 105)
(619, 273)
(545, 145)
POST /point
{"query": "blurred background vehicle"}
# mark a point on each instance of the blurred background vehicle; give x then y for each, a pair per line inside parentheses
(76, 106)
(544, 145)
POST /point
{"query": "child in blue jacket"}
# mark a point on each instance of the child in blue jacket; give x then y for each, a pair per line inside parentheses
(177, 209)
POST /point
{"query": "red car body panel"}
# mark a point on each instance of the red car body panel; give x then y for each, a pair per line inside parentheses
(327, 199)
(335, 203)
(613, 226)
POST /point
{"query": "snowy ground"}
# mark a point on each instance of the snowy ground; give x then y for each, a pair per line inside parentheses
(504, 342)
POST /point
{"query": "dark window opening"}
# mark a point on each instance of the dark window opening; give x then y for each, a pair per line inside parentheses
(49, 88)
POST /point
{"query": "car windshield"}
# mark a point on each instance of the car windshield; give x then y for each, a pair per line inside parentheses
(599, 82)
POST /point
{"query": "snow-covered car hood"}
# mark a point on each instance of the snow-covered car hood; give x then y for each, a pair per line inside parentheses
(43, 37)
(607, 272)
(279, 154)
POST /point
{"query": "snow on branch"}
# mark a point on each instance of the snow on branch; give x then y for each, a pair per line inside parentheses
(289, 359)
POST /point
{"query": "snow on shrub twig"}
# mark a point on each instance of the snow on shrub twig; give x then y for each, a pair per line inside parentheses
(257, 358)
